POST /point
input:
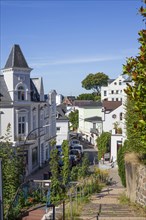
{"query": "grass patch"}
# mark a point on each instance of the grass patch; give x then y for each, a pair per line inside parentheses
(123, 199)
(74, 208)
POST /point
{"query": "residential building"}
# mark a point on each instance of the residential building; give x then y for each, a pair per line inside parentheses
(90, 119)
(62, 124)
(23, 106)
(114, 91)
(113, 100)
(59, 99)
(68, 101)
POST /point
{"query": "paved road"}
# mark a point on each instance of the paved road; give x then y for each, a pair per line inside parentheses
(91, 152)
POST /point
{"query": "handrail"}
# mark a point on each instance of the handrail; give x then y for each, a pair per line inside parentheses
(18, 190)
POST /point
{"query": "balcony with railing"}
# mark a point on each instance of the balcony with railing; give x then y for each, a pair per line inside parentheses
(94, 131)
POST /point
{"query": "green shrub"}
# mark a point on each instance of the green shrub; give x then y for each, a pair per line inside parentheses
(121, 165)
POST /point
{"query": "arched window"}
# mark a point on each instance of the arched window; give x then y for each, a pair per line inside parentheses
(21, 93)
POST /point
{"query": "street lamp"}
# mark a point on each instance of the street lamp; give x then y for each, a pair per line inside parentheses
(26, 138)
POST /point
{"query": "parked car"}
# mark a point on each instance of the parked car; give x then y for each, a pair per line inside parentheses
(77, 153)
(78, 147)
(59, 148)
(74, 141)
(73, 160)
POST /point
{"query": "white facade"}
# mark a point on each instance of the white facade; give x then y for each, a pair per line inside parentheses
(62, 124)
(114, 91)
(89, 126)
(62, 128)
(112, 118)
(59, 99)
(24, 108)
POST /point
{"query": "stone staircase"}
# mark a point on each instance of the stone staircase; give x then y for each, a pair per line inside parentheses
(107, 205)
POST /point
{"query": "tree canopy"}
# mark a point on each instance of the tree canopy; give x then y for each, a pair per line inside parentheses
(88, 96)
(103, 143)
(95, 81)
(136, 69)
(73, 118)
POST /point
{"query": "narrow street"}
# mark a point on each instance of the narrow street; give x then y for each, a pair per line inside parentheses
(106, 203)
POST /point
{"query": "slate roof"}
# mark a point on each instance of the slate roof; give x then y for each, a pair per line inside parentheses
(5, 96)
(111, 105)
(34, 92)
(16, 58)
(61, 110)
(94, 119)
(87, 103)
(111, 80)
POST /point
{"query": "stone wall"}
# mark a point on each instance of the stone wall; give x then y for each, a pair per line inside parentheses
(136, 182)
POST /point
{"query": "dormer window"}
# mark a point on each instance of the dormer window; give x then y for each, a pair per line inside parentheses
(21, 93)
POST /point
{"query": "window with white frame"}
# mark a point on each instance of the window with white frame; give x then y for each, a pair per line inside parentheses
(58, 129)
(105, 92)
(21, 93)
(121, 116)
(21, 124)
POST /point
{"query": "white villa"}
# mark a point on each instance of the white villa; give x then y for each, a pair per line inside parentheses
(31, 114)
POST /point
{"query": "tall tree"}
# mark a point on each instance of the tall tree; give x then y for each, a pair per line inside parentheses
(65, 168)
(12, 169)
(95, 81)
(88, 96)
(136, 69)
(103, 143)
(55, 188)
(74, 119)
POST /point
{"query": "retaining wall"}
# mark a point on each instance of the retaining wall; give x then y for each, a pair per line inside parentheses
(136, 182)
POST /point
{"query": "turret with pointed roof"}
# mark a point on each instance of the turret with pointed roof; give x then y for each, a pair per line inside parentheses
(16, 59)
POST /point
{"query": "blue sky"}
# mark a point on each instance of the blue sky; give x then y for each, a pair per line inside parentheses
(64, 41)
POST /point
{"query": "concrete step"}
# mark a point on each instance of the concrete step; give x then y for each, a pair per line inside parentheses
(36, 214)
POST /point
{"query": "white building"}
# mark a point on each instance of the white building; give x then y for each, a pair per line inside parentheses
(24, 107)
(90, 119)
(62, 124)
(59, 99)
(114, 91)
(114, 98)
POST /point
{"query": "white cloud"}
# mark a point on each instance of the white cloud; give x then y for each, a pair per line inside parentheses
(48, 62)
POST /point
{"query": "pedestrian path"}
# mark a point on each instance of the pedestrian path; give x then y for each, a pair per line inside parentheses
(107, 203)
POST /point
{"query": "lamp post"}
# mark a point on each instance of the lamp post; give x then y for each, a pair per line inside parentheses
(26, 138)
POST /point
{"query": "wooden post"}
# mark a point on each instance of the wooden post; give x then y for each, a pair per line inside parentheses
(63, 210)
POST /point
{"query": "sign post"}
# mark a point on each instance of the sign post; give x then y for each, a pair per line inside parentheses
(1, 192)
